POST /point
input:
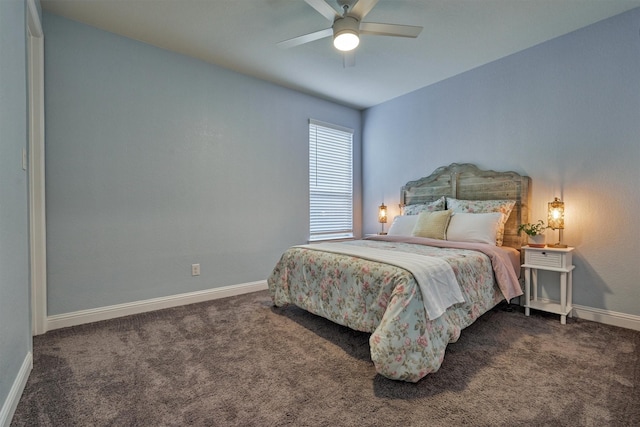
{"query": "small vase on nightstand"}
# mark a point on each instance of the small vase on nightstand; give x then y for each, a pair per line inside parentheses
(535, 232)
(537, 241)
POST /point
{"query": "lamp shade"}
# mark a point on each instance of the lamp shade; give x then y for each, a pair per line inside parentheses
(555, 217)
(382, 214)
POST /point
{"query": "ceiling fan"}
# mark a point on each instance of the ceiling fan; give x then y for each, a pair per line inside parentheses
(348, 26)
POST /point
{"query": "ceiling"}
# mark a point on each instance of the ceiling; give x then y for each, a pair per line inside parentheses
(241, 35)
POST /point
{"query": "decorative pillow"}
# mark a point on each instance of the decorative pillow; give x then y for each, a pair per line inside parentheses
(402, 225)
(474, 227)
(432, 225)
(437, 205)
(484, 206)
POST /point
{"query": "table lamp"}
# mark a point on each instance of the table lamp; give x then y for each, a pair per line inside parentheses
(555, 220)
(382, 216)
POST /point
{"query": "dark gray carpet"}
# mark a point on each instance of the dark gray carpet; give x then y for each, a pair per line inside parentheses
(241, 362)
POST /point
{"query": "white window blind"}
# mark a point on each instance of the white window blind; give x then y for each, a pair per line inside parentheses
(330, 181)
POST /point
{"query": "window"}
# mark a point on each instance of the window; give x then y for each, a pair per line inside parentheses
(330, 181)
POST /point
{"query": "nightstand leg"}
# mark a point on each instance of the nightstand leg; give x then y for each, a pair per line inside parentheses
(570, 292)
(534, 274)
(527, 290)
(563, 298)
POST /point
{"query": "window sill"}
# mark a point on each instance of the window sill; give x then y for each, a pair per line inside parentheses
(330, 239)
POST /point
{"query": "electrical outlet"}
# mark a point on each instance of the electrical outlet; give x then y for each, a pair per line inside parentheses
(195, 269)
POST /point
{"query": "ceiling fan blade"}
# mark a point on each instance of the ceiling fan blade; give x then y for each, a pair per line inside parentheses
(362, 7)
(374, 28)
(348, 59)
(323, 8)
(297, 41)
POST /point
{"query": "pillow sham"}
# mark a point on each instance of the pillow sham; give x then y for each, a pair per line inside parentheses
(432, 225)
(437, 205)
(484, 206)
(474, 227)
(402, 225)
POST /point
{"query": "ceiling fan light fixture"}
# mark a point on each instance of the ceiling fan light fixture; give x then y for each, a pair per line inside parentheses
(346, 41)
(345, 33)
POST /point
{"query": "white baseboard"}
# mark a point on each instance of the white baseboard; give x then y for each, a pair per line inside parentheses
(58, 321)
(608, 317)
(11, 403)
(111, 312)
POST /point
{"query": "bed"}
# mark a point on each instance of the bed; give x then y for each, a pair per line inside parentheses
(413, 289)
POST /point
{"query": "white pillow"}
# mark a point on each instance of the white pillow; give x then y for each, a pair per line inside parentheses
(403, 225)
(474, 227)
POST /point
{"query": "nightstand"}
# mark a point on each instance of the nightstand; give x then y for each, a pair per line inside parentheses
(550, 259)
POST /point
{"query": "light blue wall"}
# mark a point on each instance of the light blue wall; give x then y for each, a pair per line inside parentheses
(155, 161)
(567, 114)
(15, 328)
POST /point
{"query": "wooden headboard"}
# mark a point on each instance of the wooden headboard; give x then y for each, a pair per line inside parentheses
(465, 181)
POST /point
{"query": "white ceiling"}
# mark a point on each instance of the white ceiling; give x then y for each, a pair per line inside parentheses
(241, 35)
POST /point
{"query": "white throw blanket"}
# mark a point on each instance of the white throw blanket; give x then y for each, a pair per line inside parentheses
(435, 277)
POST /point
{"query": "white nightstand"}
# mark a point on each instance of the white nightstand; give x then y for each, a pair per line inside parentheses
(551, 259)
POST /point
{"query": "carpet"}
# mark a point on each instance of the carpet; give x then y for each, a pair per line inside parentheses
(240, 361)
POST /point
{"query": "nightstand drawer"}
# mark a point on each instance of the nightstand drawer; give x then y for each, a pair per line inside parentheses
(547, 259)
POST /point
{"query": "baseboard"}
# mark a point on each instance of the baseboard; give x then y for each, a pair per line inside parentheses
(110, 312)
(58, 321)
(608, 317)
(10, 405)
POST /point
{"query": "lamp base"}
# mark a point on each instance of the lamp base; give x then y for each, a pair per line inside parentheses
(557, 246)
(382, 234)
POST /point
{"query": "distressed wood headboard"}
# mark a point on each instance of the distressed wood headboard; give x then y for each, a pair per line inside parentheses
(468, 182)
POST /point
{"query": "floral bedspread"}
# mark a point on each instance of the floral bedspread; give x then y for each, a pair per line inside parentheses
(386, 301)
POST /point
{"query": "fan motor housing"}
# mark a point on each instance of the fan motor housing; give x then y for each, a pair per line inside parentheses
(346, 24)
